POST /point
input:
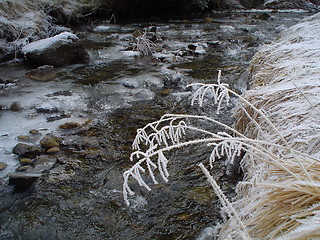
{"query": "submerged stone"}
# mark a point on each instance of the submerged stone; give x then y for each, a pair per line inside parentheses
(42, 73)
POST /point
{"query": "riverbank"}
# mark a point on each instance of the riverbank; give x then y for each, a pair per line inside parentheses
(280, 195)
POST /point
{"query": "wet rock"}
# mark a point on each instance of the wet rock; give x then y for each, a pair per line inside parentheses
(264, 16)
(43, 164)
(60, 50)
(192, 47)
(48, 142)
(23, 181)
(47, 110)
(15, 107)
(2, 166)
(53, 150)
(70, 125)
(42, 73)
(25, 161)
(25, 150)
(23, 168)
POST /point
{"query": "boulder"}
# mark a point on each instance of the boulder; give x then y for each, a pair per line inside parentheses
(60, 50)
(25, 150)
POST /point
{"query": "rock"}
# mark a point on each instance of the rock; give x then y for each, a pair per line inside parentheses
(25, 150)
(15, 107)
(23, 168)
(264, 16)
(69, 125)
(208, 19)
(44, 163)
(34, 132)
(60, 93)
(23, 181)
(47, 110)
(25, 161)
(192, 47)
(42, 73)
(24, 138)
(53, 150)
(2, 166)
(48, 142)
(60, 50)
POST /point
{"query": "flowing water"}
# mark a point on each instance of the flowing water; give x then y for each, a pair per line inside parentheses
(80, 197)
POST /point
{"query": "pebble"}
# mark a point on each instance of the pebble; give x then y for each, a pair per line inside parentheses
(69, 125)
(23, 138)
(26, 161)
(34, 132)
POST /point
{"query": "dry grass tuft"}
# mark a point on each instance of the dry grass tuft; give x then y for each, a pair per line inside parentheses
(280, 197)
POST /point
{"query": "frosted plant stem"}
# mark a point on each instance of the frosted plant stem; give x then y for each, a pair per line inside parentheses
(224, 200)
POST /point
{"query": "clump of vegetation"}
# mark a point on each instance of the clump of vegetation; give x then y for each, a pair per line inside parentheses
(143, 44)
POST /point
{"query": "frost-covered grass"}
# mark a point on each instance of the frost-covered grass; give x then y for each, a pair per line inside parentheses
(283, 201)
(278, 123)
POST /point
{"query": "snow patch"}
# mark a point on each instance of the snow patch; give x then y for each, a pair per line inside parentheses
(47, 43)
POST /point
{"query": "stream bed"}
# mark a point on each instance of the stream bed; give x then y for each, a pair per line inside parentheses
(108, 99)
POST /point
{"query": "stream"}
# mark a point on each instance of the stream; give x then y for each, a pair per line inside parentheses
(109, 98)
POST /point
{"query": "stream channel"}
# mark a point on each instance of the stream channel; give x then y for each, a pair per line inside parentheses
(117, 92)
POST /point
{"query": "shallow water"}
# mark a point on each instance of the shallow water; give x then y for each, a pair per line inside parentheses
(81, 197)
